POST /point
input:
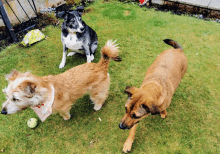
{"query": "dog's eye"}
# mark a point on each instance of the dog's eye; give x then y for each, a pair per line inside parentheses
(134, 116)
(146, 108)
(14, 99)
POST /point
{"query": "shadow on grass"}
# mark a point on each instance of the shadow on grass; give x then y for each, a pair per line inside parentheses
(82, 108)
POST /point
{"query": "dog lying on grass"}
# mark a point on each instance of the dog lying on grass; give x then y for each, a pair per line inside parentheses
(156, 91)
(58, 93)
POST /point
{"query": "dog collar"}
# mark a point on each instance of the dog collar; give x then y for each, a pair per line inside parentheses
(44, 110)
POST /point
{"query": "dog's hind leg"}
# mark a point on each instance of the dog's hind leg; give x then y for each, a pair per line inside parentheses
(93, 49)
(128, 143)
(87, 52)
(100, 93)
(65, 115)
(65, 111)
(63, 62)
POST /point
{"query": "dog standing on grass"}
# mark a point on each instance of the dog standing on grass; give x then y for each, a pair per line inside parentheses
(77, 35)
(155, 94)
(58, 93)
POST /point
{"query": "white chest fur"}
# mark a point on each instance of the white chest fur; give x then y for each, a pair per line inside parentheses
(72, 43)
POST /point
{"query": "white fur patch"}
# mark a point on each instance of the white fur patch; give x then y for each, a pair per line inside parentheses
(72, 43)
(92, 57)
(80, 26)
(88, 58)
(63, 62)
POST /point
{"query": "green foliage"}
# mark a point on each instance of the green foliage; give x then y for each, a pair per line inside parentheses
(192, 125)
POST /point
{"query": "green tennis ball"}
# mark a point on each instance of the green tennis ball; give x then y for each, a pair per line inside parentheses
(32, 122)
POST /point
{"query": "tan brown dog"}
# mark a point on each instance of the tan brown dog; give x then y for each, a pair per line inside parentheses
(58, 93)
(155, 94)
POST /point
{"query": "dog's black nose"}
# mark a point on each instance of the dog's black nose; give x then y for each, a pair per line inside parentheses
(82, 29)
(4, 111)
(121, 126)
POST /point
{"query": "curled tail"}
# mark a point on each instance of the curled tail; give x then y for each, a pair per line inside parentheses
(109, 51)
(173, 43)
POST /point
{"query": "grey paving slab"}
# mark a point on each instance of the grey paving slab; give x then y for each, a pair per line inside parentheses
(202, 3)
(212, 4)
(215, 4)
(161, 2)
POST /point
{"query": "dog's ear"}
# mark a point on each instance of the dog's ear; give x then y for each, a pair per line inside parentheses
(12, 76)
(146, 108)
(154, 110)
(131, 90)
(65, 16)
(80, 10)
(29, 88)
(150, 107)
(62, 14)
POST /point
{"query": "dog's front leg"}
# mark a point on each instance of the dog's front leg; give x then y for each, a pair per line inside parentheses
(128, 143)
(63, 62)
(87, 52)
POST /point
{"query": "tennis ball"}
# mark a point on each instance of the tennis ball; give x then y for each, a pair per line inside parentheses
(32, 122)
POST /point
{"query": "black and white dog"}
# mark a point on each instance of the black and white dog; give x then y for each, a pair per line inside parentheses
(76, 35)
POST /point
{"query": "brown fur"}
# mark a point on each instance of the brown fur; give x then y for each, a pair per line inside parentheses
(154, 96)
(69, 86)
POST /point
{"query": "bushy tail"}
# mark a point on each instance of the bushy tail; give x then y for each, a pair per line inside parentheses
(173, 43)
(109, 51)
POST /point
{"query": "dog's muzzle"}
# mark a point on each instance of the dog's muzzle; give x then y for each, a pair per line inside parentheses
(3, 111)
(126, 127)
(122, 127)
(82, 29)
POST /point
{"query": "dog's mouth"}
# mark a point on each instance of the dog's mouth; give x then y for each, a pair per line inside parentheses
(71, 30)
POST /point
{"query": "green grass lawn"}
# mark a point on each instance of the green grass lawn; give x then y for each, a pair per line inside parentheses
(193, 122)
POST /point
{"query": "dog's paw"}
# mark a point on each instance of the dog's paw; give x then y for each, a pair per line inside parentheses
(62, 65)
(127, 146)
(97, 107)
(67, 117)
(71, 54)
(163, 116)
(92, 57)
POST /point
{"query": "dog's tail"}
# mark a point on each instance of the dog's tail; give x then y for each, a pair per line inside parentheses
(109, 51)
(173, 43)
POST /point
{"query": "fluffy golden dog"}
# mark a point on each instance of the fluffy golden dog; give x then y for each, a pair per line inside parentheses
(155, 94)
(60, 91)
